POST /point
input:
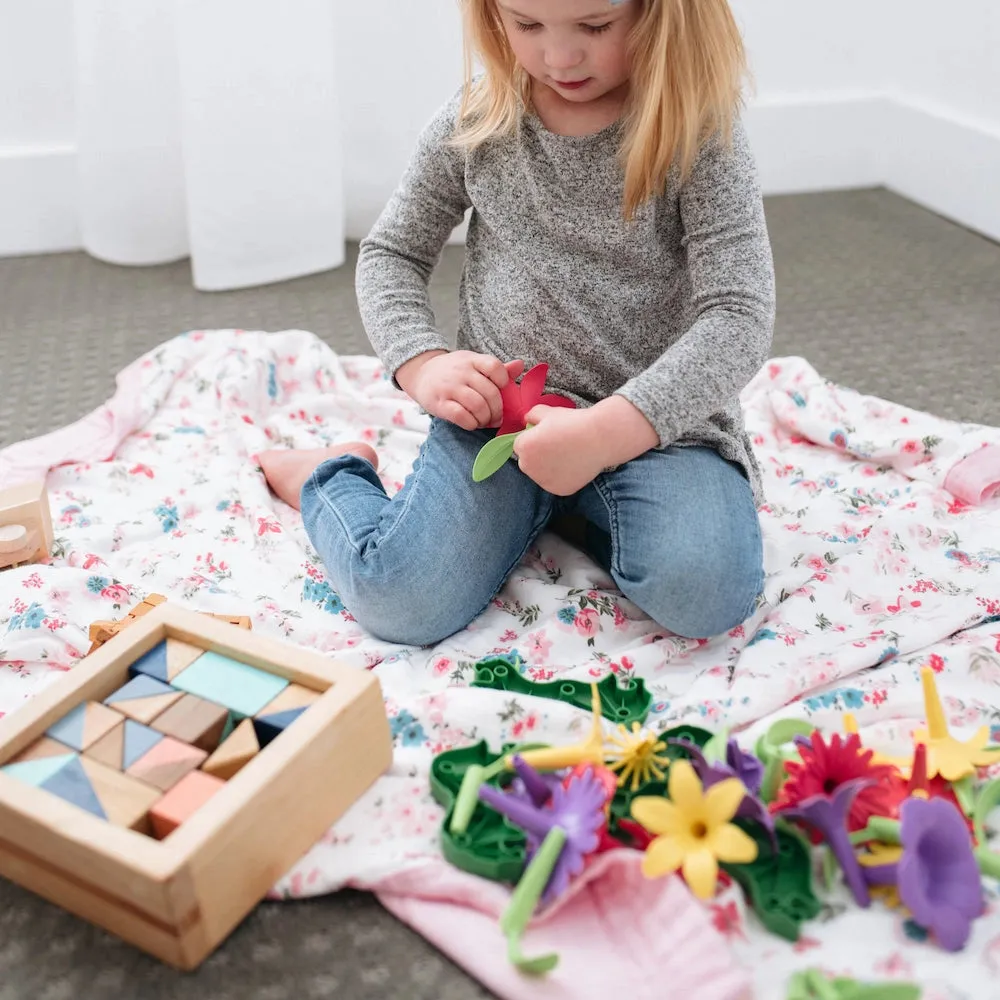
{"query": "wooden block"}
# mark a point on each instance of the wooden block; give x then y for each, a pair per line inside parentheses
(28, 506)
(294, 696)
(45, 747)
(270, 727)
(238, 686)
(102, 631)
(240, 621)
(166, 660)
(235, 752)
(196, 721)
(179, 898)
(144, 698)
(166, 763)
(104, 792)
(182, 801)
(84, 725)
(124, 745)
(37, 770)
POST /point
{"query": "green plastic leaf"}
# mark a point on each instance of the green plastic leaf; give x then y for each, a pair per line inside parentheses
(493, 456)
(714, 751)
(986, 802)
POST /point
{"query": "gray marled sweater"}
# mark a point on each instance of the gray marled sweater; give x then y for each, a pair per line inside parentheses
(674, 311)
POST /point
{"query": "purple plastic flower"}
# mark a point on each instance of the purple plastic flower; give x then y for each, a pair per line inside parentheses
(577, 806)
(938, 876)
(745, 766)
(828, 814)
(739, 764)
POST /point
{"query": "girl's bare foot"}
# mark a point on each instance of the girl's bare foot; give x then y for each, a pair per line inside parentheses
(287, 471)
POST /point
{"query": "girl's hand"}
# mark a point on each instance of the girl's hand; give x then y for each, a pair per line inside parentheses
(562, 449)
(462, 387)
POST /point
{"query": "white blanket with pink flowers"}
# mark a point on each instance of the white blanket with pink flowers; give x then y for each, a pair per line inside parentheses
(875, 569)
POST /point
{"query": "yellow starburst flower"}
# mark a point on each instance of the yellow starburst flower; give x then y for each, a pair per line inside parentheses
(692, 829)
(950, 758)
(637, 756)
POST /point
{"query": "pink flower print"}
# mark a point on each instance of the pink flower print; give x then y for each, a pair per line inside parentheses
(33, 582)
(538, 646)
(868, 606)
(90, 560)
(586, 622)
(441, 666)
(399, 419)
(115, 592)
(816, 562)
(540, 675)
(369, 434)
(268, 524)
(525, 725)
(936, 662)
(141, 470)
(912, 447)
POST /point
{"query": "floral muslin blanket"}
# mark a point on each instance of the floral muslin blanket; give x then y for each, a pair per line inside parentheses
(875, 570)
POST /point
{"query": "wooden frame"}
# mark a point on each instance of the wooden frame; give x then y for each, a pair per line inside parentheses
(179, 898)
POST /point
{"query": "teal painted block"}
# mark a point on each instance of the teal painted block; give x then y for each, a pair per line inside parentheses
(72, 784)
(153, 663)
(138, 740)
(141, 686)
(69, 729)
(37, 772)
(237, 686)
(268, 727)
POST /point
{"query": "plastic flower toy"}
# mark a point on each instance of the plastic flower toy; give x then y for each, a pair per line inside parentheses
(947, 756)
(590, 751)
(578, 807)
(693, 829)
(824, 767)
(937, 875)
(518, 401)
(828, 814)
(636, 757)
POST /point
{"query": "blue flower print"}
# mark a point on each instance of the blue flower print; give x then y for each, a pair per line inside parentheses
(761, 634)
(407, 730)
(169, 518)
(223, 505)
(839, 439)
(321, 593)
(97, 583)
(798, 399)
(567, 615)
(31, 617)
(272, 381)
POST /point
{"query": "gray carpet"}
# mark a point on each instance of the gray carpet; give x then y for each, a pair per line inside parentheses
(875, 292)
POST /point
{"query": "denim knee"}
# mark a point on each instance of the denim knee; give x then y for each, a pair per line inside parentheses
(698, 593)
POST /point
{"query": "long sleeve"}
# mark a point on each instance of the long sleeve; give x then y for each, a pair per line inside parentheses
(400, 253)
(732, 294)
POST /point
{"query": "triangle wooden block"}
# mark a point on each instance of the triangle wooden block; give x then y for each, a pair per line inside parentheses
(45, 747)
(180, 656)
(38, 770)
(124, 800)
(270, 727)
(237, 751)
(143, 698)
(294, 696)
(84, 725)
(168, 762)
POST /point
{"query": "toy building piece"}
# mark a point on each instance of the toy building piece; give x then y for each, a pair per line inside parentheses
(234, 753)
(102, 631)
(143, 698)
(182, 801)
(238, 686)
(37, 770)
(27, 506)
(270, 727)
(196, 721)
(41, 749)
(17, 545)
(85, 725)
(124, 745)
(293, 696)
(166, 763)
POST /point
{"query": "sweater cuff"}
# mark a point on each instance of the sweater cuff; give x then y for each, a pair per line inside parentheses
(652, 403)
(413, 347)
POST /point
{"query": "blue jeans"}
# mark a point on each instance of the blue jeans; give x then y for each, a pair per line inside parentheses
(676, 528)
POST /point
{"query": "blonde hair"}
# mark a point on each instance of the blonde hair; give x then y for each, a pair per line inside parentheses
(688, 65)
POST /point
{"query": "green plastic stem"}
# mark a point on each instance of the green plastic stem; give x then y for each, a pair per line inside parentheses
(515, 919)
(468, 798)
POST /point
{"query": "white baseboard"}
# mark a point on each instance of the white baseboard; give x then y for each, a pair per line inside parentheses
(949, 165)
(38, 200)
(834, 142)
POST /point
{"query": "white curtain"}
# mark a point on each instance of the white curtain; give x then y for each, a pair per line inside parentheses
(210, 129)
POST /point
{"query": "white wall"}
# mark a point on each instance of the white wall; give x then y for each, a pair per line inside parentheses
(849, 93)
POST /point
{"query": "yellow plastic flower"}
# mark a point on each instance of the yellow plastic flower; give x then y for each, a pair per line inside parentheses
(883, 854)
(947, 756)
(637, 757)
(693, 829)
(590, 751)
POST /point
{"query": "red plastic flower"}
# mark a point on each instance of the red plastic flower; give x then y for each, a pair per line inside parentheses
(519, 398)
(918, 785)
(826, 766)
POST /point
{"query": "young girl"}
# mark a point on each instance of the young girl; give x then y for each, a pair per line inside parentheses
(617, 234)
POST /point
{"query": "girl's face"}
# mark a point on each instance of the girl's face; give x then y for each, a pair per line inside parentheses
(578, 48)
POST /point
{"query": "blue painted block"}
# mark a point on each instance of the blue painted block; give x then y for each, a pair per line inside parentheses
(37, 772)
(268, 727)
(238, 686)
(72, 784)
(153, 663)
(141, 686)
(138, 740)
(69, 729)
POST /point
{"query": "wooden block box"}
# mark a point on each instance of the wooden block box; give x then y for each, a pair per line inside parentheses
(170, 844)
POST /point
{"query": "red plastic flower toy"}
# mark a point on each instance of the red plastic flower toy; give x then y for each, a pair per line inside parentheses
(826, 766)
(520, 398)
